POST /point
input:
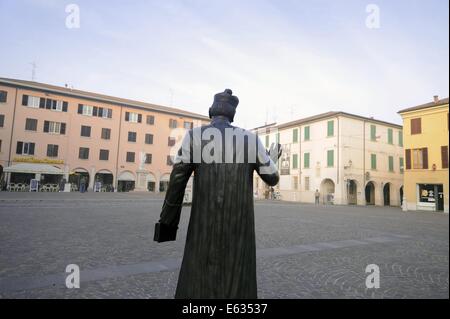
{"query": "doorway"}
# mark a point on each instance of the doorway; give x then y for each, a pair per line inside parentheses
(351, 192)
(370, 193)
(387, 194)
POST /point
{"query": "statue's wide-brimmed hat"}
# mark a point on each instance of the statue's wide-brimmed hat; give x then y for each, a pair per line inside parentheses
(224, 104)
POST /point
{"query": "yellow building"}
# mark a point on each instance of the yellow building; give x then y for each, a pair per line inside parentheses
(425, 131)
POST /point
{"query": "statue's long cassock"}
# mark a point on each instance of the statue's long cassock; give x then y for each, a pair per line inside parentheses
(220, 254)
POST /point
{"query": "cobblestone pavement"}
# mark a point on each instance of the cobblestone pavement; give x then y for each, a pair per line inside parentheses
(304, 251)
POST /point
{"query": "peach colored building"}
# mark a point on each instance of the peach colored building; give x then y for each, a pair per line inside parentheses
(86, 137)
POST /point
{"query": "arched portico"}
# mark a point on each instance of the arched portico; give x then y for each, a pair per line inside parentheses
(327, 190)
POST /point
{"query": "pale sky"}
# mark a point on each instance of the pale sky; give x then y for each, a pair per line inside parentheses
(284, 59)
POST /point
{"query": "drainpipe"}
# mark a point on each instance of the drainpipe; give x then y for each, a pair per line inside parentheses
(364, 162)
(300, 156)
(337, 175)
(118, 151)
(12, 129)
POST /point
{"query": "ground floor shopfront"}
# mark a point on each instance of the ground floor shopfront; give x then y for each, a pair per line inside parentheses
(427, 190)
(19, 177)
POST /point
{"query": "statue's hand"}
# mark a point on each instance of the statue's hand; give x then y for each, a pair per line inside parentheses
(275, 152)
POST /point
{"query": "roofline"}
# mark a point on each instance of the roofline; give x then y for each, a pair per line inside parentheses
(441, 102)
(332, 114)
(263, 126)
(101, 98)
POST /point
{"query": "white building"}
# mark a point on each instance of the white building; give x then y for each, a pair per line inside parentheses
(350, 159)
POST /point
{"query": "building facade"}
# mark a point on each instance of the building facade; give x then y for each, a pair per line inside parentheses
(90, 137)
(426, 155)
(348, 159)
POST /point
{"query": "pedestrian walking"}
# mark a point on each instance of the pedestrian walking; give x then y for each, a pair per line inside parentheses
(317, 196)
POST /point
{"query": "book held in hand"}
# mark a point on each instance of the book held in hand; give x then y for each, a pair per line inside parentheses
(164, 232)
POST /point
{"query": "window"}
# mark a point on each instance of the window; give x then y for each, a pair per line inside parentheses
(295, 182)
(3, 96)
(188, 125)
(83, 153)
(295, 135)
(400, 138)
(306, 133)
(104, 113)
(2, 120)
(85, 131)
(130, 157)
(267, 141)
(444, 156)
(171, 141)
(104, 155)
(294, 161)
(148, 138)
(150, 119)
(106, 133)
(330, 128)
(408, 158)
(25, 148)
(390, 136)
(50, 104)
(306, 183)
(133, 117)
(90, 110)
(169, 160)
(31, 101)
(0, 146)
(373, 161)
(306, 160)
(330, 158)
(131, 136)
(401, 164)
(416, 126)
(420, 158)
(173, 123)
(417, 159)
(31, 125)
(148, 158)
(52, 150)
(54, 127)
(373, 133)
(391, 163)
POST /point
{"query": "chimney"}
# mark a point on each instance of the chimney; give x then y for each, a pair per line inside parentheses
(436, 98)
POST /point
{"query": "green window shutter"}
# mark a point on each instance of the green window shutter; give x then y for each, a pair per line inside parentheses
(267, 141)
(373, 161)
(330, 128)
(400, 138)
(373, 132)
(294, 161)
(401, 164)
(295, 136)
(330, 158)
(391, 163)
(306, 133)
(306, 160)
(390, 137)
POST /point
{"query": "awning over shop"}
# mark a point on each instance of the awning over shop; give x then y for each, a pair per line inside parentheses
(31, 168)
(126, 176)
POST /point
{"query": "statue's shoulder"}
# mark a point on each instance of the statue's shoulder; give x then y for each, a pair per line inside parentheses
(245, 132)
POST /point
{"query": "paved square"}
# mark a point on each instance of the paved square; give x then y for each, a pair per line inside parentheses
(304, 251)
